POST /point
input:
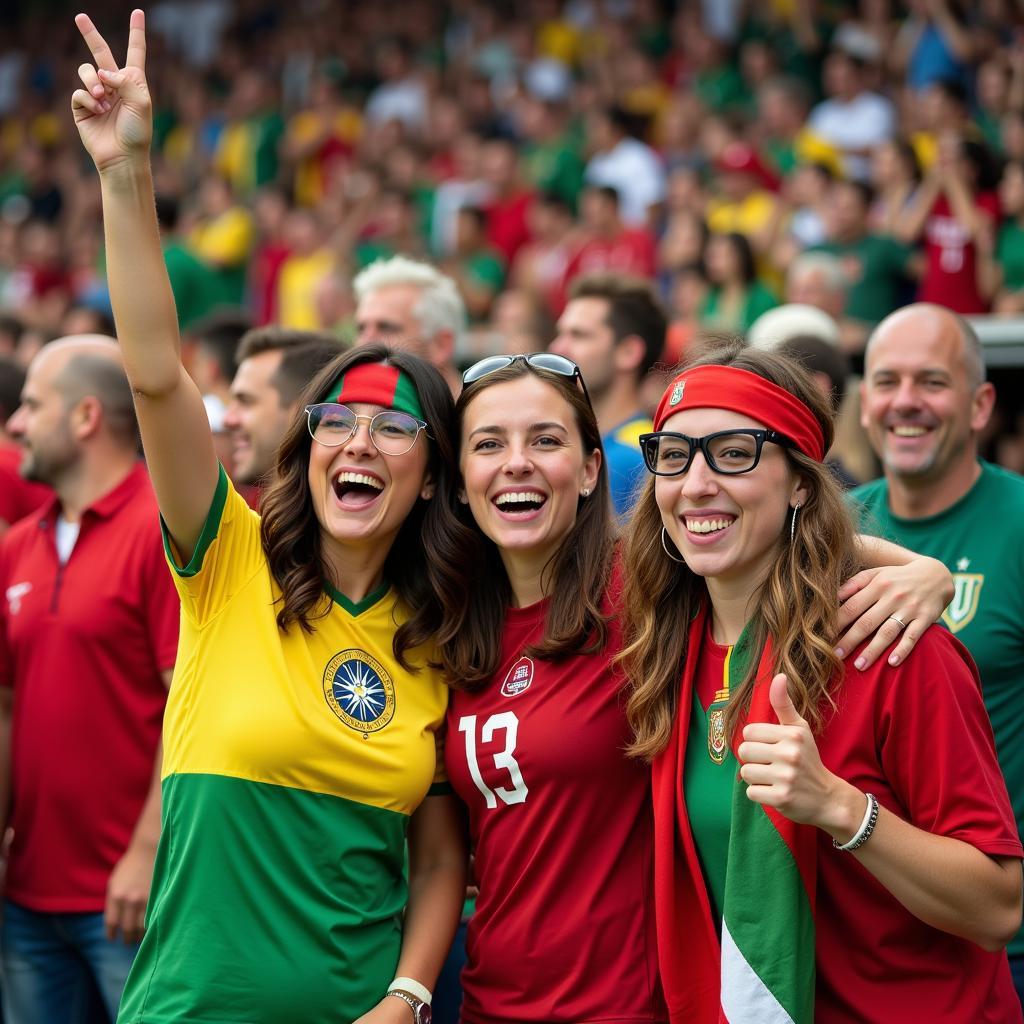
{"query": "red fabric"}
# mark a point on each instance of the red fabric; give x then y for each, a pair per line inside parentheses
(951, 268)
(564, 924)
(373, 383)
(18, 497)
(632, 252)
(82, 646)
(266, 269)
(918, 738)
(728, 387)
(507, 224)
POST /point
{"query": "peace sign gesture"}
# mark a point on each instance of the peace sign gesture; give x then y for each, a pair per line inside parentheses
(113, 111)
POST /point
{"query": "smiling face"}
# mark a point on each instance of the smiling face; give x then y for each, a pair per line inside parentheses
(256, 419)
(361, 498)
(524, 467)
(918, 403)
(728, 528)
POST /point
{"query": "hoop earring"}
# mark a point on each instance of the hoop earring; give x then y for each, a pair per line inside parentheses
(792, 522)
(665, 547)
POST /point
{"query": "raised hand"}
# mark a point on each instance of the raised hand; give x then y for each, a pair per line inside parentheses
(113, 110)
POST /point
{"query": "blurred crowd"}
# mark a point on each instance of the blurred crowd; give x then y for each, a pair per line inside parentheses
(847, 156)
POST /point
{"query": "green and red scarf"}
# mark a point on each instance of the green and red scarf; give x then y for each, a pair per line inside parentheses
(761, 971)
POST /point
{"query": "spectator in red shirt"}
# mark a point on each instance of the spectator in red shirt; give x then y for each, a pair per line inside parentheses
(88, 636)
(956, 211)
(608, 244)
(508, 210)
(18, 496)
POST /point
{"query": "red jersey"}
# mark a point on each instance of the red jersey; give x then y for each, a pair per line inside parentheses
(18, 497)
(631, 252)
(918, 738)
(83, 645)
(951, 271)
(507, 224)
(561, 824)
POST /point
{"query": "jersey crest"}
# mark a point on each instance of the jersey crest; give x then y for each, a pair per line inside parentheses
(962, 609)
(519, 677)
(359, 691)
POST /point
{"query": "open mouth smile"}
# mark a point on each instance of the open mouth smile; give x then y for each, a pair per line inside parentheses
(356, 490)
(522, 504)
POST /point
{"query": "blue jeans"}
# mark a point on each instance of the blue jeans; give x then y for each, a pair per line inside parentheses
(60, 968)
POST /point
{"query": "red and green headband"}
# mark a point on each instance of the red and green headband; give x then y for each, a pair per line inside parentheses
(728, 387)
(377, 384)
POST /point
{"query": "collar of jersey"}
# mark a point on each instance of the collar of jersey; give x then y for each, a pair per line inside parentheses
(357, 607)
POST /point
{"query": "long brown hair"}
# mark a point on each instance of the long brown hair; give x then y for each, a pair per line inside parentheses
(419, 564)
(576, 577)
(796, 605)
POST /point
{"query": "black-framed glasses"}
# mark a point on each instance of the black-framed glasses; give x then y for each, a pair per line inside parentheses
(542, 360)
(392, 432)
(725, 451)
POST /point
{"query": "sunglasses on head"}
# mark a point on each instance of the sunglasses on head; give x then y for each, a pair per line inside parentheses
(541, 360)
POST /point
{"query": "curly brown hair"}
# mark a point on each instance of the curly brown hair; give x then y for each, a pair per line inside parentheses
(796, 605)
(419, 565)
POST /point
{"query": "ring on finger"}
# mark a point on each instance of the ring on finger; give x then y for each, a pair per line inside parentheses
(903, 625)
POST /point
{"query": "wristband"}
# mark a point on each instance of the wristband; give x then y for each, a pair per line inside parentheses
(867, 826)
(414, 988)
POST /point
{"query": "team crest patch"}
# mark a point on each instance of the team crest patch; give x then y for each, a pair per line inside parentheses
(359, 691)
(519, 677)
(966, 595)
(677, 393)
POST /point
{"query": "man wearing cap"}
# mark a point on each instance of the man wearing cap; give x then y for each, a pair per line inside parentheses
(925, 402)
(88, 637)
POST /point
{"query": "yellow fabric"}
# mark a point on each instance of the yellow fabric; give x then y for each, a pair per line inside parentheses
(560, 40)
(252, 702)
(296, 289)
(305, 126)
(926, 149)
(234, 157)
(224, 241)
(748, 217)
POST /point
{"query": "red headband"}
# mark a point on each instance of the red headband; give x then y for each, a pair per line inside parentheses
(728, 387)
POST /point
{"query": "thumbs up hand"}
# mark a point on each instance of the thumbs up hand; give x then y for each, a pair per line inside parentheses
(782, 767)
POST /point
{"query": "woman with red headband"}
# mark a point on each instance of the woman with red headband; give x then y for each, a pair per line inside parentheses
(301, 734)
(560, 818)
(831, 844)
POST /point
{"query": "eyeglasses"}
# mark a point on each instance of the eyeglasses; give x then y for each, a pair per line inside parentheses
(726, 451)
(392, 432)
(542, 360)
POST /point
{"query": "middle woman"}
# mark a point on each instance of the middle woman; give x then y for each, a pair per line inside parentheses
(560, 818)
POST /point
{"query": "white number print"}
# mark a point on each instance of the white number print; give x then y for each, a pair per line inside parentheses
(505, 759)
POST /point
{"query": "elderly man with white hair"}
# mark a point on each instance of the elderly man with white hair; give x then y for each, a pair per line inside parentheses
(412, 306)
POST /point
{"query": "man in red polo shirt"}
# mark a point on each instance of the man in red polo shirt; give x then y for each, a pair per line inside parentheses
(88, 634)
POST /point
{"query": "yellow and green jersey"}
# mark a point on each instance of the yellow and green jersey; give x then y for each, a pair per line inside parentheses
(292, 762)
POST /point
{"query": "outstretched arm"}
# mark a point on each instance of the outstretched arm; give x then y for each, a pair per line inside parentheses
(113, 113)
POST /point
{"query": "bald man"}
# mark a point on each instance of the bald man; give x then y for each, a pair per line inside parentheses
(924, 403)
(88, 635)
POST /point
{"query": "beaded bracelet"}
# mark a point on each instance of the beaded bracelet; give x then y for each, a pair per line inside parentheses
(867, 826)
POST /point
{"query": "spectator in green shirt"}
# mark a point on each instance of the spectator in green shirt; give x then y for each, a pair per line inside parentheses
(736, 298)
(878, 268)
(1010, 244)
(194, 284)
(477, 267)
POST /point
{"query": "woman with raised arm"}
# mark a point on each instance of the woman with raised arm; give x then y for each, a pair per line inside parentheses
(831, 845)
(300, 737)
(560, 817)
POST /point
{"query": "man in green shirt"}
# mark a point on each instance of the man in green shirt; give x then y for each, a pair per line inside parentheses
(877, 267)
(924, 402)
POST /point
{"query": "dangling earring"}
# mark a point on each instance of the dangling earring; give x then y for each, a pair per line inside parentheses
(665, 546)
(792, 522)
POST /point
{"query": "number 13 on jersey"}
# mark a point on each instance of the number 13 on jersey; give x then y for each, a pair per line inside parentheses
(503, 759)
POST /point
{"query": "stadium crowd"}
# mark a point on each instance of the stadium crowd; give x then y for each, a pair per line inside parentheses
(610, 188)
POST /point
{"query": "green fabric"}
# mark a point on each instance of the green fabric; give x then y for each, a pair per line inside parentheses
(758, 300)
(876, 267)
(405, 398)
(555, 167)
(356, 607)
(980, 539)
(195, 286)
(708, 790)
(767, 919)
(721, 88)
(301, 894)
(1010, 255)
(267, 130)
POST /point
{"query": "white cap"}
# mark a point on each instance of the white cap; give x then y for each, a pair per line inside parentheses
(780, 324)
